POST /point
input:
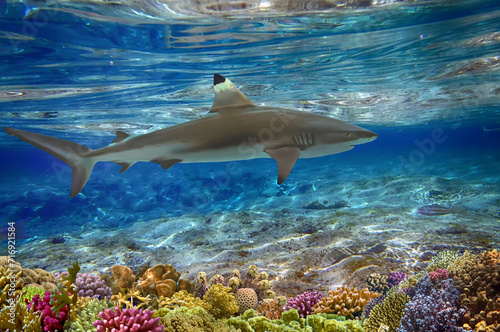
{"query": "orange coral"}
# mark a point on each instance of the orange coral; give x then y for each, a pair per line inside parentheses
(270, 309)
(122, 276)
(345, 301)
(478, 280)
(163, 280)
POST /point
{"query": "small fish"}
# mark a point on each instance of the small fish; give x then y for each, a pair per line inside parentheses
(486, 130)
(435, 210)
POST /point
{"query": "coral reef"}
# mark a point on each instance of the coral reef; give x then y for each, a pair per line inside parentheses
(439, 274)
(8, 277)
(29, 292)
(443, 260)
(89, 285)
(89, 314)
(163, 280)
(220, 302)
(304, 303)
(246, 298)
(434, 308)
(17, 318)
(395, 278)
(121, 278)
(51, 321)
(477, 277)
(193, 320)
(387, 315)
(370, 305)
(343, 301)
(377, 283)
(269, 308)
(127, 320)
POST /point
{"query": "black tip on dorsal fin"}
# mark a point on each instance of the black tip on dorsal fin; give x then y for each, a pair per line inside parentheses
(120, 136)
(218, 79)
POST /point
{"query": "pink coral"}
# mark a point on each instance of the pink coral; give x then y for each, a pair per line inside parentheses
(127, 320)
(439, 274)
(304, 303)
(50, 322)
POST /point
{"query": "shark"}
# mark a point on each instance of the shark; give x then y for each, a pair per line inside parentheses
(234, 129)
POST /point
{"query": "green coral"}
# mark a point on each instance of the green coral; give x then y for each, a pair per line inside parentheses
(387, 315)
(88, 315)
(220, 302)
(192, 320)
(291, 321)
(66, 294)
(29, 292)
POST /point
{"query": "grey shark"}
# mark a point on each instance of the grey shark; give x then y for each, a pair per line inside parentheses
(234, 129)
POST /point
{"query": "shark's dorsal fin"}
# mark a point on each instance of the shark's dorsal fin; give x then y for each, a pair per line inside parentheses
(227, 95)
(120, 136)
(286, 158)
(166, 163)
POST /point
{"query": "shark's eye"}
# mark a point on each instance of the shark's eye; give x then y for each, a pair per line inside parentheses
(347, 134)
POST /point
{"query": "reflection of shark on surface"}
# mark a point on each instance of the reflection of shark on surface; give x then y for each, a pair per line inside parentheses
(486, 130)
(235, 129)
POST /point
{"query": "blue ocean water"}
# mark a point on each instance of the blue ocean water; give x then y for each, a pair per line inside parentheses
(423, 76)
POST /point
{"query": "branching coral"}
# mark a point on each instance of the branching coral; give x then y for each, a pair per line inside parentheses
(343, 301)
(387, 314)
(16, 318)
(51, 321)
(270, 309)
(220, 302)
(443, 260)
(29, 292)
(304, 303)
(88, 315)
(131, 298)
(11, 285)
(66, 295)
(127, 320)
(478, 280)
(434, 308)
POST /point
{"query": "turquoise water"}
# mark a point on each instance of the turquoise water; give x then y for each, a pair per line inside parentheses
(423, 75)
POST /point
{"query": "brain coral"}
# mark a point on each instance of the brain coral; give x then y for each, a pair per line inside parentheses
(246, 299)
(343, 301)
(477, 277)
(387, 315)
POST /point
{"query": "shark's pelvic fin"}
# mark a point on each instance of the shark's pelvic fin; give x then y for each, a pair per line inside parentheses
(166, 163)
(286, 158)
(227, 94)
(120, 136)
(124, 166)
(73, 154)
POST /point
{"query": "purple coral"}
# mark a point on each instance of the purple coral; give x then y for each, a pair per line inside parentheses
(50, 322)
(304, 303)
(395, 278)
(439, 274)
(434, 308)
(90, 285)
(127, 320)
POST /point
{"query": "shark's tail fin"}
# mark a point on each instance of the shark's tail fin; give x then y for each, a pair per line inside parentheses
(73, 154)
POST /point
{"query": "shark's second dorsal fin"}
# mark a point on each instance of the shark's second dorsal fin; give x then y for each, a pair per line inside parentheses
(227, 95)
(120, 136)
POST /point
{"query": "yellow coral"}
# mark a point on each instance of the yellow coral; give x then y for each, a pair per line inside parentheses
(343, 301)
(11, 285)
(193, 320)
(387, 315)
(220, 302)
(16, 318)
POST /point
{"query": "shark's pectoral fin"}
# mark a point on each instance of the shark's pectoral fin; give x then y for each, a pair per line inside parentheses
(124, 166)
(286, 158)
(227, 96)
(120, 136)
(166, 163)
